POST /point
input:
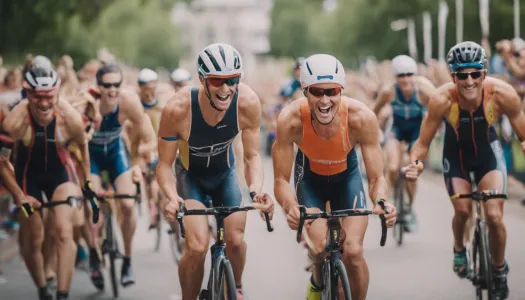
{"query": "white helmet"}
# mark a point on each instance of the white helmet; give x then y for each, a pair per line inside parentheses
(219, 59)
(404, 64)
(41, 61)
(147, 75)
(180, 75)
(322, 68)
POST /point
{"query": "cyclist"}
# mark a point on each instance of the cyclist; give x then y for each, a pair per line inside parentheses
(153, 105)
(107, 151)
(326, 127)
(43, 126)
(202, 123)
(180, 78)
(408, 96)
(471, 105)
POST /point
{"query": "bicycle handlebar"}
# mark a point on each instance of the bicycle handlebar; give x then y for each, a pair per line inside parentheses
(214, 211)
(481, 195)
(340, 214)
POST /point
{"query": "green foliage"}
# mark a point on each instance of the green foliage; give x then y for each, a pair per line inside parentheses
(359, 28)
(137, 31)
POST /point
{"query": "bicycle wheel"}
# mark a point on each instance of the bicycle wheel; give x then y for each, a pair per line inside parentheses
(175, 241)
(400, 203)
(224, 287)
(113, 254)
(159, 227)
(340, 273)
(327, 282)
(485, 282)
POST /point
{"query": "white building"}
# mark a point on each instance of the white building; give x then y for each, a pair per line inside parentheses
(244, 24)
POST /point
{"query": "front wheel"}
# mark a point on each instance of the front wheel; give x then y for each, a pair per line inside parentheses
(399, 227)
(340, 273)
(224, 288)
(485, 262)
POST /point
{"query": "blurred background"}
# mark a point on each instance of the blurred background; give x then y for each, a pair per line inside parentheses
(80, 35)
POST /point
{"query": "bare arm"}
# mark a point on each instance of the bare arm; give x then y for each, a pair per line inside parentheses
(510, 105)
(282, 157)
(16, 122)
(369, 139)
(7, 172)
(168, 145)
(251, 141)
(437, 107)
(516, 70)
(426, 89)
(75, 127)
(385, 96)
(135, 113)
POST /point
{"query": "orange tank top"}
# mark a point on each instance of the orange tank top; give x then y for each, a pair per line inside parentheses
(327, 157)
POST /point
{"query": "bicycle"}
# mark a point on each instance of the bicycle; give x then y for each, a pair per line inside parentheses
(481, 264)
(149, 176)
(399, 203)
(110, 244)
(333, 268)
(221, 273)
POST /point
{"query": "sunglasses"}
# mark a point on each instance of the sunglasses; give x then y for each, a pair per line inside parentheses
(319, 92)
(465, 75)
(218, 82)
(108, 85)
(405, 74)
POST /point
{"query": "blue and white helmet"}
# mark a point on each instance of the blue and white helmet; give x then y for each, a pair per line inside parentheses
(322, 68)
(219, 60)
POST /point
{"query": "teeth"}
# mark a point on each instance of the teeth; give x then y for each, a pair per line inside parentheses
(222, 97)
(324, 109)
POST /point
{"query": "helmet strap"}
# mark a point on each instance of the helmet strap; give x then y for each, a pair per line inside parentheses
(208, 94)
(313, 117)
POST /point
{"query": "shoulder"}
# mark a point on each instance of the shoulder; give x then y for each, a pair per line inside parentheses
(248, 101)
(289, 118)
(499, 87)
(359, 114)
(179, 105)
(441, 98)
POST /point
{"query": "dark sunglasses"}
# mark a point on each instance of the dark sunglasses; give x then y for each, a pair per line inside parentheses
(405, 74)
(465, 75)
(319, 92)
(108, 85)
(218, 82)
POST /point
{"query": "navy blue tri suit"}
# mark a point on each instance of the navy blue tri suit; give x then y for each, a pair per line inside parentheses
(107, 150)
(206, 164)
(408, 116)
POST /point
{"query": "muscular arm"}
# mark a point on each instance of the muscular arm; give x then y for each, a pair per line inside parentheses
(7, 172)
(282, 157)
(135, 113)
(437, 107)
(75, 126)
(516, 70)
(168, 145)
(251, 141)
(16, 122)
(385, 96)
(510, 105)
(426, 89)
(369, 139)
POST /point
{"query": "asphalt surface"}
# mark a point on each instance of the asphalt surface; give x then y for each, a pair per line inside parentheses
(420, 269)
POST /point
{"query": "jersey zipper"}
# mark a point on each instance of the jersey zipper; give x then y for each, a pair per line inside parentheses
(473, 135)
(45, 147)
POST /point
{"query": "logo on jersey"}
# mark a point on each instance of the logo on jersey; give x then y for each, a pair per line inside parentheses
(345, 144)
(212, 150)
(446, 165)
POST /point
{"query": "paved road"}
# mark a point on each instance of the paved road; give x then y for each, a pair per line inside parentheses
(420, 269)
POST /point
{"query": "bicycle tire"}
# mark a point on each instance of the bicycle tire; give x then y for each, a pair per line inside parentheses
(400, 206)
(485, 262)
(327, 283)
(112, 254)
(343, 276)
(158, 229)
(224, 280)
(175, 245)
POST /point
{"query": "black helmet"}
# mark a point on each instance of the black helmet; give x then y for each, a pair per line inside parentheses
(466, 55)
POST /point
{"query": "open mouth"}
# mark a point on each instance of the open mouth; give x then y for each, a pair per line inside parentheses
(470, 87)
(43, 109)
(221, 97)
(325, 110)
(113, 94)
